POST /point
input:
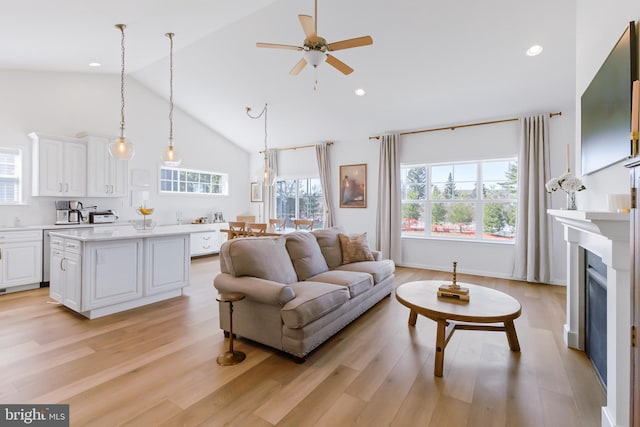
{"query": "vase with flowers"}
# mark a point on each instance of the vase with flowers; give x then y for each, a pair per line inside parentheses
(568, 183)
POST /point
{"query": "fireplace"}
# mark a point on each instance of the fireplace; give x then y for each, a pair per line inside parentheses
(607, 236)
(595, 337)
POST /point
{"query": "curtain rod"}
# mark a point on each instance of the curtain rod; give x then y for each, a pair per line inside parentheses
(296, 147)
(454, 127)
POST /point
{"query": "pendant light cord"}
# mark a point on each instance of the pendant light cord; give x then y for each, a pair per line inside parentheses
(122, 27)
(263, 112)
(170, 35)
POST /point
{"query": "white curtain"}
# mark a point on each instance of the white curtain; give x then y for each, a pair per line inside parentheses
(324, 168)
(533, 231)
(389, 213)
(269, 196)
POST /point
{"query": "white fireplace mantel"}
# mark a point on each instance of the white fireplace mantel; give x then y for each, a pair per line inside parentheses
(607, 235)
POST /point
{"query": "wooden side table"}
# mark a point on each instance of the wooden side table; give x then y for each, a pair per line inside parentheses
(230, 357)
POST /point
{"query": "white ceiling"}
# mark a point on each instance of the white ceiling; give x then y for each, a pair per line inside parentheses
(431, 63)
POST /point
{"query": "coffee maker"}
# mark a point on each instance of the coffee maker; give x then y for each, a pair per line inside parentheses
(75, 212)
(69, 212)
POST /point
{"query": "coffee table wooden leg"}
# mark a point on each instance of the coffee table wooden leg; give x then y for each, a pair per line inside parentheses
(440, 345)
(413, 316)
(511, 335)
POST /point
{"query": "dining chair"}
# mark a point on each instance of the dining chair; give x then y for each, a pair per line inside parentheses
(236, 229)
(255, 229)
(246, 218)
(303, 224)
(277, 224)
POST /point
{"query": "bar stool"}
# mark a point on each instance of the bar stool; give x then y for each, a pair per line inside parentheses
(230, 357)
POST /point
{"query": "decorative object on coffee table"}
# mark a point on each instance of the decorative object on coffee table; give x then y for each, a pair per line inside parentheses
(454, 290)
(230, 357)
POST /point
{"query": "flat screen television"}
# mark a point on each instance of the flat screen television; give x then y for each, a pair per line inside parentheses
(606, 106)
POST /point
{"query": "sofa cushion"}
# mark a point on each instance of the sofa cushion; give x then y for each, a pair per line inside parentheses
(262, 257)
(380, 270)
(305, 254)
(329, 243)
(313, 300)
(355, 248)
(355, 281)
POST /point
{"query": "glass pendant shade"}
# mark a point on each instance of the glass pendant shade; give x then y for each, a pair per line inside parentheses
(121, 148)
(171, 156)
(266, 176)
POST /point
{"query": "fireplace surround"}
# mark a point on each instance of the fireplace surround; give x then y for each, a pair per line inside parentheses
(607, 235)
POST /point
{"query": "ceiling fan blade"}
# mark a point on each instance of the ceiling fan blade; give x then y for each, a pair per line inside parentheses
(339, 65)
(309, 27)
(347, 44)
(278, 46)
(298, 67)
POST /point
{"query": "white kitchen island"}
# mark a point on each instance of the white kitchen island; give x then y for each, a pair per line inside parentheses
(100, 272)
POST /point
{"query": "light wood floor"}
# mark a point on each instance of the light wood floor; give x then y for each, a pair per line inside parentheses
(156, 366)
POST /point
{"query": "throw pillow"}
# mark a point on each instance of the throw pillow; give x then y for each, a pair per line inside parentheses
(355, 248)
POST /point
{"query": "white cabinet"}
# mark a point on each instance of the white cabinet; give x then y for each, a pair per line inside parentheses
(97, 274)
(59, 166)
(209, 240)
(108, 176)
(167, 263)
(66, 272)
(113, 272)
(20, 259)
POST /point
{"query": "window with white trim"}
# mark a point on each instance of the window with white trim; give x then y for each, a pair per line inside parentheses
(300, 198)
(10, 176)
(189, 181)
(453, 207)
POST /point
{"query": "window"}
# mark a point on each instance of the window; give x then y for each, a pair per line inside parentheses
(300, 199)
(10, 176)
(468, 201)
(177, 180)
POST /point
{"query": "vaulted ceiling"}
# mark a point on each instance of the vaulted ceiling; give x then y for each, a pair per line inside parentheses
(431, 63)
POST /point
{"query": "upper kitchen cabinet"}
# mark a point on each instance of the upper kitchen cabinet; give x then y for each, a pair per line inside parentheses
(59, 166)
(108, 177)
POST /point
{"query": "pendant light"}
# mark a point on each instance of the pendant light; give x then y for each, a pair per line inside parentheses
(265, 175)
(121, 148)
(171, 156)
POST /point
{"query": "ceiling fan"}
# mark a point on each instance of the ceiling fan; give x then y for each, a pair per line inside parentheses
(315, 48)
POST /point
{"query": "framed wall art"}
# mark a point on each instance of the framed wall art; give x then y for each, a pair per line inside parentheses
(353, 186)
(256, 192)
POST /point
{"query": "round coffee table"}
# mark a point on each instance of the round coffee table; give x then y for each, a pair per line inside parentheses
(485, 306)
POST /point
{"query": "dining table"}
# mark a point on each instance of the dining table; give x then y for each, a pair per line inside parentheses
(270, 232)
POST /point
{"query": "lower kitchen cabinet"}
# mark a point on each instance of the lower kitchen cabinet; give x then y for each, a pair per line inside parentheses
(209, 240)
(20, 260)
(97, 276)
(113, 273)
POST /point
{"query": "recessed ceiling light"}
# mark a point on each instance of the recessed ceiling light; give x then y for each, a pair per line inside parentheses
(95, 64)
(534, 50)
(360, 92)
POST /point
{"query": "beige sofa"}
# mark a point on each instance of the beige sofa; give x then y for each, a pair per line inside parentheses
(298, 290)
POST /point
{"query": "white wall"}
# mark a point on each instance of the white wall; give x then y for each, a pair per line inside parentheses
(63, 104)
(599, 25)
(482, 142)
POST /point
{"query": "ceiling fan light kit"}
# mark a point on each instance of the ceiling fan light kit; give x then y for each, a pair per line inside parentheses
(315, 49)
